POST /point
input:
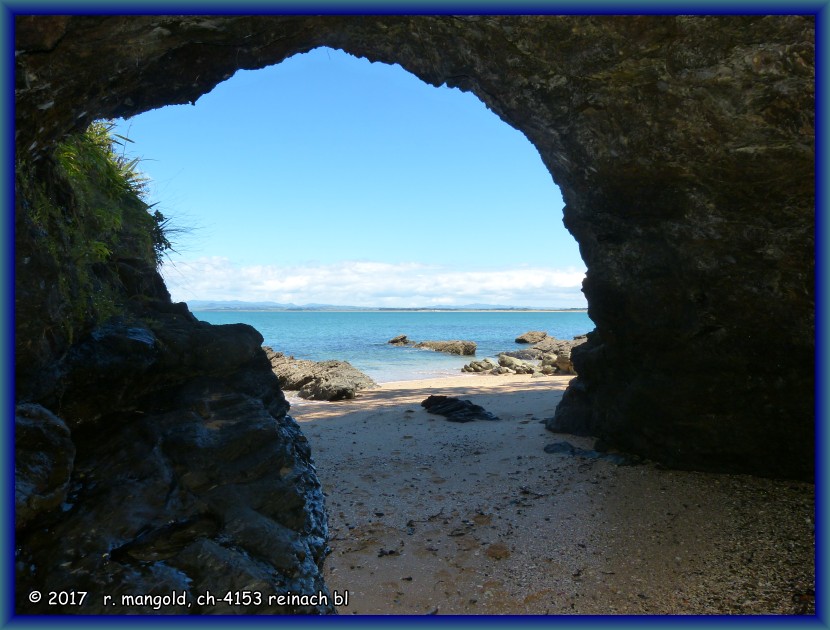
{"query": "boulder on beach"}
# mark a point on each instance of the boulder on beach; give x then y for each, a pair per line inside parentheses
(400, 340)
(463, 348)
(532, 336)
(313, 380)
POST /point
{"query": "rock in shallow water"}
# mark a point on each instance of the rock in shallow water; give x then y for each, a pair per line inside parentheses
(463, 348)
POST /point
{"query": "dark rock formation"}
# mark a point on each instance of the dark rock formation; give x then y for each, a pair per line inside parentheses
(400, 340)
(455, 409)
(683, 146)
(188, 477)
(43, 459)
(127, 359)
(215, 495)
(532, 336)
(318, 380)
(463, 348)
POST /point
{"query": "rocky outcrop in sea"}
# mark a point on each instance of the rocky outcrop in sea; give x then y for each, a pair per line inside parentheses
(463, 348)
(459, 347)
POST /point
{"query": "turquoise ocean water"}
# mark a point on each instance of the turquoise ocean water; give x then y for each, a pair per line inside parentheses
(360, 337)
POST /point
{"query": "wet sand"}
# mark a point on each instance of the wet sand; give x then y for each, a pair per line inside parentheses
(428, 516)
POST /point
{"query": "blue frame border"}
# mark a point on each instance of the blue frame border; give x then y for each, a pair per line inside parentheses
(417, 7)
(7, 316)
(10, 8)
(822, 382)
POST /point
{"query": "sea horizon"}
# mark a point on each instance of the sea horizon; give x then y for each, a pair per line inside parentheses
(246, 305)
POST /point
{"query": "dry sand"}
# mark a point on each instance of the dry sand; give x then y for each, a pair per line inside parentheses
(428, 516)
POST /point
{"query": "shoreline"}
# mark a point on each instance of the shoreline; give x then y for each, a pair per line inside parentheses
(437, 376)
(432, 517)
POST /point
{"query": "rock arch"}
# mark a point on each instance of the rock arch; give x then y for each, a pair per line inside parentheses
(684, 149)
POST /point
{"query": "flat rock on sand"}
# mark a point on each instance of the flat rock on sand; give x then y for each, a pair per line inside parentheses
(455, 409)
(428, 516)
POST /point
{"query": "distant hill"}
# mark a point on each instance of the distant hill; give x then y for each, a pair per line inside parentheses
(240, 305)
(236, 305)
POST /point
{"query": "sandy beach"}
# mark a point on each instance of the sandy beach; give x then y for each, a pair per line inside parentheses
(428, 516)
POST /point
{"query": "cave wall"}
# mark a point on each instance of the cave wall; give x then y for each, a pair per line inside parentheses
(684, 149)
(153, 452)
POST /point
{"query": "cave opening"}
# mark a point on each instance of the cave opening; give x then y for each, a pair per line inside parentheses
(328, 182)
(325, 159)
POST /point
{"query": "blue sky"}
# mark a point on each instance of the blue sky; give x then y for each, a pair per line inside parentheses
(330, 179)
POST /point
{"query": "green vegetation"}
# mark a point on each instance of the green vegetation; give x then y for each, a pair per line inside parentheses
(81, 221)
(108, 190)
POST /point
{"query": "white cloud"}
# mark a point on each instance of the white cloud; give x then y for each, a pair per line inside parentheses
(362, 283)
